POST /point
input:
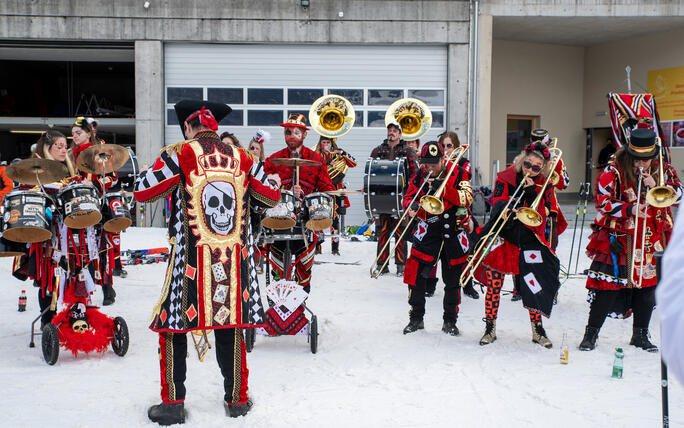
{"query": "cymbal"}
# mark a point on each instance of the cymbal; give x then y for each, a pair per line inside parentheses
(294, 162)
(343, 192)
(29, 171)
(110, 156)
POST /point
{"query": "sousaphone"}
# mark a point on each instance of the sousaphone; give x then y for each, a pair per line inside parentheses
(332, 116)
(413, 116)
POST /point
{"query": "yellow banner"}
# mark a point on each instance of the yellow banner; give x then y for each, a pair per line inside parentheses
(667, 86)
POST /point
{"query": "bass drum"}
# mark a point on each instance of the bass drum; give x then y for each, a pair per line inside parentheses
(129, 172)
(384, 182)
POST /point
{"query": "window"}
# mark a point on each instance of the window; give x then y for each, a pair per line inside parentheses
(384, 96)
(264, 117)
(376, 119)
(438, 119)
(171, 118)
(173, 95)
(428, 96)
(355, 96)
(264, 96)
(303, 96)
(235, 118)
(518, 134)
(225, 95)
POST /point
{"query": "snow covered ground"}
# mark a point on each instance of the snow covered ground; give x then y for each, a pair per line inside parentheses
(366, 372)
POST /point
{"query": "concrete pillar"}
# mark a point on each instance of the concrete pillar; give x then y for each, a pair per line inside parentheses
(457, 87)
(484, 102)
(149, 112)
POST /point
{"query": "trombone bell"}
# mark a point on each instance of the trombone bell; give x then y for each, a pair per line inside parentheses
(661, 197)
(431, 204)
(529, 217)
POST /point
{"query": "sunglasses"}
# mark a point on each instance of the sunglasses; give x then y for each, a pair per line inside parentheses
(533, 168)
(447, 146)
(253, 148)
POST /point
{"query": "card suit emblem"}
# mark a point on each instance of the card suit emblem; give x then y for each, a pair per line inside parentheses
(191, 313)
(163, 316)
(190, 272)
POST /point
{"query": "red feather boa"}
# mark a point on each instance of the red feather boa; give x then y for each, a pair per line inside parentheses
(97, 338)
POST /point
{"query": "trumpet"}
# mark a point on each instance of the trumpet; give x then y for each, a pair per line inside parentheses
(529, 215)
(485, 243)
(433, 203)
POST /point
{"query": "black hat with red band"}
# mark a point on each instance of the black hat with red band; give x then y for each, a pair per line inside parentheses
(431, 152)
(208, 112)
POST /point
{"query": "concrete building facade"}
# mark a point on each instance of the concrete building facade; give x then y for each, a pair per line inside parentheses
(551, 61)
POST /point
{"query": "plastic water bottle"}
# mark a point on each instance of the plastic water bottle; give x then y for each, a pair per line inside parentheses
(22, 301)
(564, 350)
(618, 363)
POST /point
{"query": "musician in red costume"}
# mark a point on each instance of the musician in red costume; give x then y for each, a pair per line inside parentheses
(514, 246)
(207, 280)
(613, 288)
(311, 179)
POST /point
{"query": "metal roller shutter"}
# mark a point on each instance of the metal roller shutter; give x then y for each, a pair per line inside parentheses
(260, 82)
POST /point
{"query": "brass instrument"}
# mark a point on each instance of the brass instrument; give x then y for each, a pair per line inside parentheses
(433, 203)
(202, 344)
(413, 116)
(485, 243)
(332, 116)
(661, 196)
(636, 234)
(374, 270)
(529, 215)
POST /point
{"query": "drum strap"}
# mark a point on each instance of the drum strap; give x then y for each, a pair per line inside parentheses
(167, 280)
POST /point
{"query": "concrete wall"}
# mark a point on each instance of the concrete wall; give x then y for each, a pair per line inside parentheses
(571, 8)
(277, 21)
(605, 72)
(539, 80)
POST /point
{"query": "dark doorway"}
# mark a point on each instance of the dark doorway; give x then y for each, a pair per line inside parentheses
(518, 130)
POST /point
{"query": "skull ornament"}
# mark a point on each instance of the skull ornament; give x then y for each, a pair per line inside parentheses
(78, 318)
(218, 200)
(80, 326)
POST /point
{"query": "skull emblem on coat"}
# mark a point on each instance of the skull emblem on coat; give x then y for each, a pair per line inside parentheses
(218, 200)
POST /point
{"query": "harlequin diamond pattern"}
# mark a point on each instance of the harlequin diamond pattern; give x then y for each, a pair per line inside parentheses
(191, 313)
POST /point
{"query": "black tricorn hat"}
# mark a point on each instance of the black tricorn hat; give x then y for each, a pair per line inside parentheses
(642, 144)
(186, 109)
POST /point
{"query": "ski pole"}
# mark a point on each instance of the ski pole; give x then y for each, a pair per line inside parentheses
(663, 368)
(574, 231)
(584, 215)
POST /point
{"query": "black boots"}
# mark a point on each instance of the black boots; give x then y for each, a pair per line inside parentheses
(589, 339)
(470, 291)
(640, 340)
(167, 414)
(119, 271)
(237, 410)
(449, 327)
(109, 294)
(414, 325)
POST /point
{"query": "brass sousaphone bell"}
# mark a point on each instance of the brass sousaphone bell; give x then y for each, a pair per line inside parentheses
(332, 116)
(413, 116)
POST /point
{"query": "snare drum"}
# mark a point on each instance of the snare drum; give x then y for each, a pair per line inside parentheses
(282, 216)
(24, 219)
(319, 207)
(81, 206)
(11, 249)
(115, 211)
(383, 187)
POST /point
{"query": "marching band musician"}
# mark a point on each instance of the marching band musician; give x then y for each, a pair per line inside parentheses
(337, 162)
(505, 257)
(83, 136)
(613, 288)
(437, 236)
(206, 282)
(311, 179)
(391, 148)
(449, 141)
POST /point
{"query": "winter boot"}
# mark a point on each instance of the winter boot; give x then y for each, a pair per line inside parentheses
(109, 295)
(167, 414)
(119, 271)
(489, 335)
(414, 324)
(589, 340)
(449, 327)
(237, 410)
(539, 335)
(335, 247)
(400, 270)
(470, 291)
(640, 340)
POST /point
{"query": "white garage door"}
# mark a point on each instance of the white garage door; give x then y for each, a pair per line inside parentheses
(263, 84)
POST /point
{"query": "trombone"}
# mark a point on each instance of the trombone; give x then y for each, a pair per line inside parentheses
(433, 204)
(485, 243)
(529, 215)
(660, 196)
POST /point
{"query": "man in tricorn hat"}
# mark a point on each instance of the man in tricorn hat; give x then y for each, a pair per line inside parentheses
(206, 285)
(310, 179)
